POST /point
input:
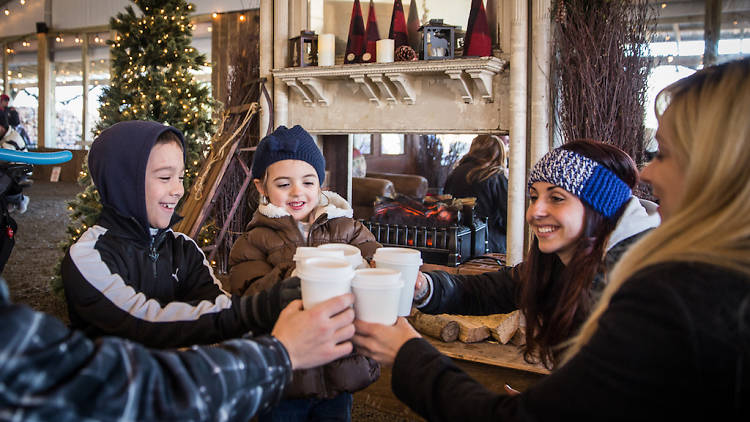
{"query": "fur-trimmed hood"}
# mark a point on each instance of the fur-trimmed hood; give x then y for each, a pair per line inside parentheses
(330, 203)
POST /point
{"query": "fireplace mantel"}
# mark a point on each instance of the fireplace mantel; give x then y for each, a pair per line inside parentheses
(464, 95)
(394, 82)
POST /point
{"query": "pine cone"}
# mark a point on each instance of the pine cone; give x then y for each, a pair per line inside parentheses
(405, 54)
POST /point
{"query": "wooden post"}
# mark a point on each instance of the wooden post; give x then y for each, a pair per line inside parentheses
(85, 69)
(6, 77)
(46, 103)
(518, 110)
(338, 152)
(280, 57)
(540, 80)
(712, 32)
(266, 62)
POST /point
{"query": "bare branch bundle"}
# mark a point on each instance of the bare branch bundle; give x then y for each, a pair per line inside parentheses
(602, 65)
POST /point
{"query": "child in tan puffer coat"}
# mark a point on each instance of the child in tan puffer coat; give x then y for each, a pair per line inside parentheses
(288, 169)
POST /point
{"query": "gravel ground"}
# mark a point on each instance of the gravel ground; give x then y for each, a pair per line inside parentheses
(40, 231)
(32, 263)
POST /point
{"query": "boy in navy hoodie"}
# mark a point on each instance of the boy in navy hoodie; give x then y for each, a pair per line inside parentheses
(130, 275)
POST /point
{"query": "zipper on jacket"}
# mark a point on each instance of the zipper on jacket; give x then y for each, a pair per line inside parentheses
(153, 254)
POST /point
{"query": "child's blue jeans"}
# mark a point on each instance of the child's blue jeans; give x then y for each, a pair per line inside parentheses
(336, 409)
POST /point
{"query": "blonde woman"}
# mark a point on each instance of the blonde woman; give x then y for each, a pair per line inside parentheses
(670, 338)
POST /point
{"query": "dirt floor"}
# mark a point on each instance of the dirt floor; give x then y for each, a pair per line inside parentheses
(32, 264)
(40, 231)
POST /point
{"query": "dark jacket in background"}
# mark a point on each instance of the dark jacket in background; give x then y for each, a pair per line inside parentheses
(674, 344)
(49, 373)
(492, 200)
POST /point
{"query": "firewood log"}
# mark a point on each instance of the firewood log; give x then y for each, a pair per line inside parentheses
(501, 326)
(435, 325)
(519, 338)
(470, 330)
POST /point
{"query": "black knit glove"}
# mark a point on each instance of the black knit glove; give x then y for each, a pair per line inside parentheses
(262, 309)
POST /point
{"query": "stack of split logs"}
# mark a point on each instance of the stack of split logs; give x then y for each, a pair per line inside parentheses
(503, 328)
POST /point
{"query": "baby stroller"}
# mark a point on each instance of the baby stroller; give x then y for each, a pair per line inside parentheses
(14, 169)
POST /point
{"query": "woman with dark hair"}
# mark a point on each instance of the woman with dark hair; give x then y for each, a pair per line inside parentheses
(583, 217)
(481, 174)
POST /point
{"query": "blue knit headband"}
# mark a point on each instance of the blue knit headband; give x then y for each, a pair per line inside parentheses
(585, 178)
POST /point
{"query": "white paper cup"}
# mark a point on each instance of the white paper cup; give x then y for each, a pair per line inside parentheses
(407, 262)
(323, 278)
(377, 293)
(304, 252)
(351, 253)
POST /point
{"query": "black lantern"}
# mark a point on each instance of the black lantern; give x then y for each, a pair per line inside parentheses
(438, 40)
(304, 49)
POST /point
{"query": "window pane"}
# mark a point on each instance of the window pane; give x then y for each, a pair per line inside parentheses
(392, 144)
(362, 142)
(68, 71)
(23, 80)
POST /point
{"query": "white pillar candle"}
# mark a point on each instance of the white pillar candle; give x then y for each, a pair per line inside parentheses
(384, 49)
(326, 49)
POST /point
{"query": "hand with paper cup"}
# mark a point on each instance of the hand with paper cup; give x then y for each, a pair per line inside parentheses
(318, 335)
(377, 292)
(323, 278)
(407, 261)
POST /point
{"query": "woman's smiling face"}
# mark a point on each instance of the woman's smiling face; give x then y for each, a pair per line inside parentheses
(556, 219)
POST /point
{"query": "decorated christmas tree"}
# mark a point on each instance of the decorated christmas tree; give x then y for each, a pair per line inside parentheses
(151, 78)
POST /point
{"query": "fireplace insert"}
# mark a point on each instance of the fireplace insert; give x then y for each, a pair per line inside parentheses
(440, 244)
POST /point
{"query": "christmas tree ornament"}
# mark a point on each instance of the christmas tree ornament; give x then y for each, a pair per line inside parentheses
(372, 35)
(412, 26)
(397, 31)
(477, 40)
(356, 42)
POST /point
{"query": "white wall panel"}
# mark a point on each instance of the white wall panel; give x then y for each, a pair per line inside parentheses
(74, 14)
(22, 19)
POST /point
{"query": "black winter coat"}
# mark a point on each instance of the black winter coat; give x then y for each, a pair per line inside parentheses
(673, 344)
(158, 290)
(492, 201)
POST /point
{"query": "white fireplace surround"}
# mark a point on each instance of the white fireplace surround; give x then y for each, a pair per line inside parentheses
(464, 95)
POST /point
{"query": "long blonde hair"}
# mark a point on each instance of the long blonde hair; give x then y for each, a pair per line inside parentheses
(710, 122)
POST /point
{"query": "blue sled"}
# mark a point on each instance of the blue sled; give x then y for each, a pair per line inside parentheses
(41, 158)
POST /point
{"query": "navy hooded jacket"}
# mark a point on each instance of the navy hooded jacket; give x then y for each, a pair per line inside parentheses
(157, 289)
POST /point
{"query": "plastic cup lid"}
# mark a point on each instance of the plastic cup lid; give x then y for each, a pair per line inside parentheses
(303, 252)
(333, 269)
(404, 256)
(377, 278)
(346, 248)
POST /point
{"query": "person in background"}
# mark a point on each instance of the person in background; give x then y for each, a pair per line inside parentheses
(481, 174)
(583, 217)
(15, 122)
(10, 139)
(670, 337)
(288, 170)
(4, 101)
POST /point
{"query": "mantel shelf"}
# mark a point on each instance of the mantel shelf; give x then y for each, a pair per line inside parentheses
(392, 83)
